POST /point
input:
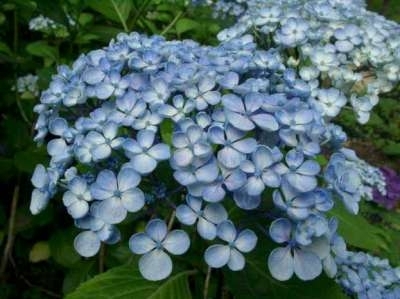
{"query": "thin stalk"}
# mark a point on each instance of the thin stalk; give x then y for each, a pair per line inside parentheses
(119, 16)
(170, 25)
(207, 283)
(10, 233)
(102, 255)
(171, 220)
(139, 12)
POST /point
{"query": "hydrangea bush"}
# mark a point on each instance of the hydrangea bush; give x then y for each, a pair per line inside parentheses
(242, 126)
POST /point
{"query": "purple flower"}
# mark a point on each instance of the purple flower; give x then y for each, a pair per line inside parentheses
(392, 197)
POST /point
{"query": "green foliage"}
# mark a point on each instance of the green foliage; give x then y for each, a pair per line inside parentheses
(127, 282)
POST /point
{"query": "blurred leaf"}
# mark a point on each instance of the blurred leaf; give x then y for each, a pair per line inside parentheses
(39, 252)
(184, 25)
(62, 249)
(166, 130)
(85, 18)
(5, 49)
(104, 33)
(127, 282)
(42, 49)
(115, 10)
(27, 160)
(392, 149)
(6, 168)
(77, 275)
(357, 231)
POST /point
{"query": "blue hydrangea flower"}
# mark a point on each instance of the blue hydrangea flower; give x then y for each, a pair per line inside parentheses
(207, 218)
(143, 155)
(76, 198)
(118, 194)
(44, 180)
(217, 256)
(155, 264)
(236, 146)
(283, 262)
(203, 94)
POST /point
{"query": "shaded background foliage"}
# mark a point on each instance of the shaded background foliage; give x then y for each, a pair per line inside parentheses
(37, 255)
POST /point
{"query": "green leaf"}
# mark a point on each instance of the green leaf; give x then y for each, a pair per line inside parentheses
(184, 25)
(166, 129)
(255, 282)
(125, 282)
(42, 49)
(5, 49)
(357, 231)
(392, 149)
(39, 252)
(62, 249)
(77, 275)
(115, 10)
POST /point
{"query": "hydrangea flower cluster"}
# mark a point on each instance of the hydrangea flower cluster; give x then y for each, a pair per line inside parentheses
(390, 199)
(244, 125)
(368, 276)
(49, 26)
(347, 54)
(28, 84)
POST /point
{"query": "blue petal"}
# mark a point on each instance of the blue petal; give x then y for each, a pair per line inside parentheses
(93, 76)
(177, 242)
(330, 266)
(300, 182)
(226, 231)
(185, 215)
(217, 256)
(307, 265)
(309, 167)
(280, 230)
(216, 135)
(106, 180)
(233, 103)
(235, 180)
(145, 138)
(39, 201)
(133, 199)
(40, 178)
(78, 209)
(155, 265)
(156, 229)
(280, 263)
(239, 121)
(215, 213)
(101, 151)
(206, 229)
(271, 179)
(160, 152)
(141, 243)
(245, 201)
(207, 173)
(183, 157)
(246, 240)
(127, 179)
(104, 91)
(255, 186)
(294, 158)
(229, 80)
(230, 157)
(266, 122)
(213, 192)
(247, 145)
(87, 244)
(112, 211)
(236, 260)
(143, 163)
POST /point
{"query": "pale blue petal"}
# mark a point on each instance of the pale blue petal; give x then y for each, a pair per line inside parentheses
(110, 130)
(226, 231)
(229, 80)
(207, 173)
(104, 91)
(160, 152)
(194, 133)
(253, 102)
(246, 240)
(194, 202)
(145, 138)
(271, 179)
(280, 263)
(77, 185)
(155, 265)
(215, 213)
(236, 260)
(212, 97)
(239, 121)
(156, 229)
(247, 145)
(300, 182)
(280, 230)
(255, 186)
(114, 237)
(141, 243)
(87, 244)
(39, 201)
(294, 158)
(213, 192)
(201, 149)
(93, 76)
(245, 201)
(78, 209)
(133, 199)
(183, 157)
(106, 180)
(40, 178)
(320, 246)
(179, 140)
(127, 179)
(229, 157)
(216, 135)
(206, 229)
(131, 146)
(298, 213)
(303, 117)
(235, 180)
(309, 167)
(100, 152)
(330, 266)
(112, 211)
(266, 122)
(307, 265)
(217, 256)
(233, 103)
(143, 163)
(185, 215)
(69, 198)
(176, 242)
(185, 178)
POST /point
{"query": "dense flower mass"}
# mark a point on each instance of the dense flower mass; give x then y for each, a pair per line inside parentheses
(391, 198)
(231, 123)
